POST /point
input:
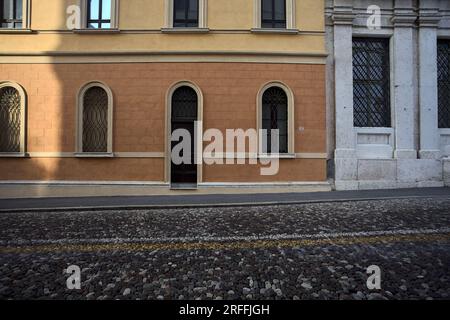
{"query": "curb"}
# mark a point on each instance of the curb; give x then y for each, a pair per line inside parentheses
(212, 205)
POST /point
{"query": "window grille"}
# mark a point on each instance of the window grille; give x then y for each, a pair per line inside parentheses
(371, 83)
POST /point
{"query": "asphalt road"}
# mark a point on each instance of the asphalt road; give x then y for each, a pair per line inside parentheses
(301, 251)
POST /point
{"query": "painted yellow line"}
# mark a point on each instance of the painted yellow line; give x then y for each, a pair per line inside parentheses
(258, 244)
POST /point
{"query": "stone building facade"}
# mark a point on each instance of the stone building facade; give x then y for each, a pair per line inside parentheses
(388, 89)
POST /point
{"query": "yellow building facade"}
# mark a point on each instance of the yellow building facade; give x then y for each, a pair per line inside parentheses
(91, 91)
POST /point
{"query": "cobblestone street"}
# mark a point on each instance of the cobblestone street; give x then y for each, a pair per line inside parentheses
(304, 251)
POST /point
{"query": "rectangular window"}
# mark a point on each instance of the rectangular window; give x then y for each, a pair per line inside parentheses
(443, 70)
(99, 14)
(273, 14)
(11, 12)
(371, 83)
(185, 13)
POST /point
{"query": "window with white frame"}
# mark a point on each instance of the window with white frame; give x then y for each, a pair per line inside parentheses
(275, 14)
(182, 14)
(100, 14)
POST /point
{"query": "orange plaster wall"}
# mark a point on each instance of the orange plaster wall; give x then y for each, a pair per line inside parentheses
(139, 90)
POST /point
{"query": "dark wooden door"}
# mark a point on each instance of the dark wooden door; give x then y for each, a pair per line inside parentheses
(184, 115)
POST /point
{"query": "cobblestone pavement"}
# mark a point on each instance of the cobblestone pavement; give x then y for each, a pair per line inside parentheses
(308, 251)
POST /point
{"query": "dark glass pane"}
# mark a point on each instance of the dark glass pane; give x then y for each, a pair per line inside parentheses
(280, 10)
(273, 14)
(95, 120)
(193, 10)
(180, 7)
(443, 83)
(266, 9)
(184, 104)
(185, 13)
(279, 25)
(10, 118)
(8, 9)
(18, 9)
(371, 83)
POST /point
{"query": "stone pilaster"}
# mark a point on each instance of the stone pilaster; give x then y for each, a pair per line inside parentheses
(428, 92)
(345, 155)
(403, 90)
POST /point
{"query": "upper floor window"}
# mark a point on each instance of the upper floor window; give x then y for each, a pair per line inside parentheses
(371, 83)
(99, 14)
(185, 13)
(273, 14)
(444, 83)
(11, 14)
(12, 118)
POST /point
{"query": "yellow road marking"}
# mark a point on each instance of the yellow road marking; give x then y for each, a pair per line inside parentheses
(257, 244)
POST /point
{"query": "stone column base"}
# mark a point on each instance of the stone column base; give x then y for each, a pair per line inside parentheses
(446, 171)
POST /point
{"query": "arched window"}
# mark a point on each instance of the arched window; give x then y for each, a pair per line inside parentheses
(12, 118)
(184, 113)
(275, 112)
(95, 119)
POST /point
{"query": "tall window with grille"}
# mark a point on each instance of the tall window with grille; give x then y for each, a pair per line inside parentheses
(273, 14)
(99, 14)
(11, 12)
(275, 117)
(185, 13)
(371, 83)
(95, 121)
(444, 83)
(10, 120)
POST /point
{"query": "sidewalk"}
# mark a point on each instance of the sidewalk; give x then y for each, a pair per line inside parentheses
(211, 200)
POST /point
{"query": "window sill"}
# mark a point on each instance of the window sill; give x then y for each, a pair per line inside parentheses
(276, 156)
(184, 30)
(15, 31)
(13, 155)
(275, 31)
(94, 155)
(96, 31)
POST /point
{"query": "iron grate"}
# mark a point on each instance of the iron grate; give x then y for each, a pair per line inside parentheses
(443, 67)
(10, 123)
(95, 120)
(371, 83)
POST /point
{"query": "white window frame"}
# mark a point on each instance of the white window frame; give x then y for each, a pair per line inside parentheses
(26, 17)
(114, 15)
(290, 16)
(79, 125)
(23, 119)
(291, 117)
(202, 16)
